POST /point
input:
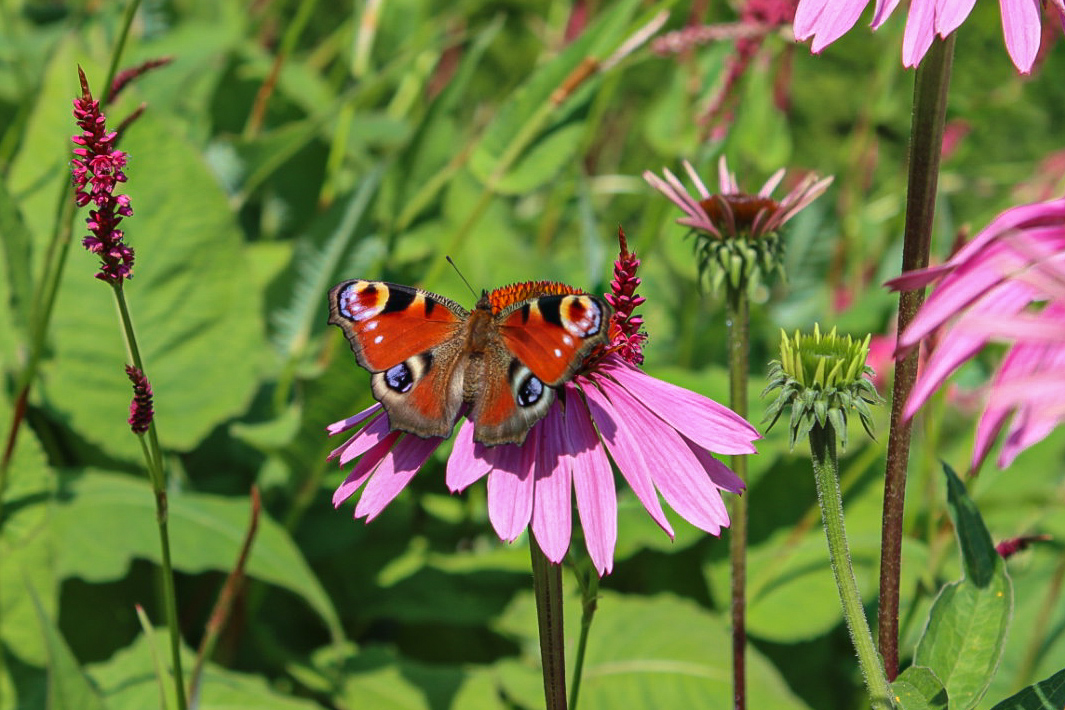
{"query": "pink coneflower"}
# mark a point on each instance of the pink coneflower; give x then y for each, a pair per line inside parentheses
(660, 437)
(738, 231)
(1007, 284)
(828, 20)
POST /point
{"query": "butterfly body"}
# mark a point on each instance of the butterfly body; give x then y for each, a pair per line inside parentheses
(429, 356)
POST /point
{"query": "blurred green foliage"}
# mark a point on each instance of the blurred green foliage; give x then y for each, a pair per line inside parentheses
(290, 145)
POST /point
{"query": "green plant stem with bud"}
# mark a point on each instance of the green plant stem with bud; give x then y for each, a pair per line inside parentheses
(153, 459)
(926, 141)
(547, 588)
(826, 473)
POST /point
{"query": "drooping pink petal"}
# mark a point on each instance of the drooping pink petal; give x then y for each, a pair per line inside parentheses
(826, 21)
(627, 445)
(1022, 28)
(722, 476)
(392, 476)
(552, 522)
(951, 352)
(713, 426)
(593, 482)
(510, 489)
(950, 14)
(882, 11)
(363, 441)
(920, 30)
(345, 424)
(364, 468)
(676, 472)
(467, 463)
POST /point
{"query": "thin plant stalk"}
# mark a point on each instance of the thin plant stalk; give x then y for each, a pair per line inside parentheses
(154, 461)
(589, 584)
(926, 141)
(738, 321)
(547, 588)
(826, 473)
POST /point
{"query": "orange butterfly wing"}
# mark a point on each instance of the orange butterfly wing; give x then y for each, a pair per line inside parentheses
(551, 335)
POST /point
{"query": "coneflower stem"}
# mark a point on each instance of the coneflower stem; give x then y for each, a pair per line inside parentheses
(926, 143)
(547, 588)
(826, 474)
(153, 460)
(737, 318)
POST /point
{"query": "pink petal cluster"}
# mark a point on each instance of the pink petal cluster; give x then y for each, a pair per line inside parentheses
(828, 20)
(96, 170)
(1007, 284)
(141, 411)
(732, 213)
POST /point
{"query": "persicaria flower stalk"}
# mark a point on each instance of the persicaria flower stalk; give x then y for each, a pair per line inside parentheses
(141, 411)
(626, 329)
(96, 169)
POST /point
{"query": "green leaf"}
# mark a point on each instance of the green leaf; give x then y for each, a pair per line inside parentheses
(918, 688)
(1047, 694)
(206, 533)
(68, 688)
(967, 624)
(15, 258)
(128, 682)
(547, 136)
(649, 653)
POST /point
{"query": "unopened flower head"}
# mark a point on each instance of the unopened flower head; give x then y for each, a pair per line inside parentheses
(823, 377)
(738, 234)
(141, 411)
(661, 438)
(96, 170)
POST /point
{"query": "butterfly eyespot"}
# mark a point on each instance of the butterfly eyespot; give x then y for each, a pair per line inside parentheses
(399, 377)
(530, 391)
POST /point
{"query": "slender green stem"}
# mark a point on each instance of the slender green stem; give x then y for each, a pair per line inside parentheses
(589, 584)
(738, 320)
(547, 587)
(154, 462)
(826, 473)
(926, 141)
(120, 44)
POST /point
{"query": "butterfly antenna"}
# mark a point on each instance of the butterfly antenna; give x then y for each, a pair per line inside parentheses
(456, 268)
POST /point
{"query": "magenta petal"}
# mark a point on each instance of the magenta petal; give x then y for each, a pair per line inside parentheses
(627, 446)
(345, 424)
(882, 11)
(950, 14)
(677, 474)
(367, 438)
(713, 426)
(510, 489)
(394, 473)
(467, 463)
(920, 30)
(363, 469)
(722, 476)
(552, 522)
(1022, 29)
(826, 21)
(593, 482)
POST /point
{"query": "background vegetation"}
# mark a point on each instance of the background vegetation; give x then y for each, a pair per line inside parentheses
(290, 145)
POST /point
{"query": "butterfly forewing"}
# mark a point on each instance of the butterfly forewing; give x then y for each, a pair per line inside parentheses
(551, 335)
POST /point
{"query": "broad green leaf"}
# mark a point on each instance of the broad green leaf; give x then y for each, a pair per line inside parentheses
(918, 688)
(68, 688)
(1048, 694)
(206, 533)
(648, 652)
(502, 160)
(378, 679)
(966, 630)
(128, 682)
(15, 262)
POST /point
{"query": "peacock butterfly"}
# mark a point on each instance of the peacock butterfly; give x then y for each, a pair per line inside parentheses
(429, 356)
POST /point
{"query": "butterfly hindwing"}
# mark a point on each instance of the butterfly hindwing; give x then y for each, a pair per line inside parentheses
(406, 337)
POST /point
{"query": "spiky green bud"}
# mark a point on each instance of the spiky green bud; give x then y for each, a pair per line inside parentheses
(823, 377)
